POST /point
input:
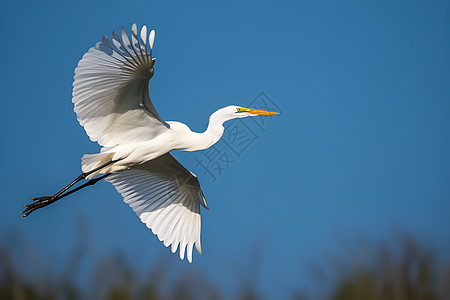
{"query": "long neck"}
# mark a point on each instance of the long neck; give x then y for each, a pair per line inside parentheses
(204, 140)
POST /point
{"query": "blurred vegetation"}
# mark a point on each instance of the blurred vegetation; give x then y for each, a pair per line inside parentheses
(405, 270)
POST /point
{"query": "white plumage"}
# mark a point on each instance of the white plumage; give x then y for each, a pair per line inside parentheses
(112, 103)
(167, 198)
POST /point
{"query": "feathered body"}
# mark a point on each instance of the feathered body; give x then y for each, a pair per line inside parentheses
(177, 136)
(112, 103)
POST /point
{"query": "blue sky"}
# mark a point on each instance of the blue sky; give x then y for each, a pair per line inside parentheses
(361, 149)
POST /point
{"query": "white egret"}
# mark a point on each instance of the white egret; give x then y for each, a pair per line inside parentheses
(112, 103)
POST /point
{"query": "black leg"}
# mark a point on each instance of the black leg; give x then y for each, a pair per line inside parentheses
(47, 200)
(89, 183)
(44, 201)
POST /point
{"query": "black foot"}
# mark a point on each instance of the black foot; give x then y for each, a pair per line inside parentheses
(39, 202)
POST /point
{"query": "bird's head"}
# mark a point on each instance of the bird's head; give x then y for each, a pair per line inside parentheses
(234, 112)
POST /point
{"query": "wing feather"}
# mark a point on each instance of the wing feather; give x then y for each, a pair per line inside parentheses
(151, 39)
(110, 90)
(144, 39)
(136, 42)
(167, 198)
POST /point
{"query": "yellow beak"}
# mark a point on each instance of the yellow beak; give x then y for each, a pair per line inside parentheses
(258, 111)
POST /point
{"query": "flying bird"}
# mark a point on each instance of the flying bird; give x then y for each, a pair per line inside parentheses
(111, 100)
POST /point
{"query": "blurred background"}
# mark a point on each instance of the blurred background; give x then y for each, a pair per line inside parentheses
(345, 195)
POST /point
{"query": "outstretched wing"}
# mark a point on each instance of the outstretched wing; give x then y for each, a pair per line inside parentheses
(167, 198)
(110, 90)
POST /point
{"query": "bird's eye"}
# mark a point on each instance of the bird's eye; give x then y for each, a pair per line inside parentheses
(238, 110)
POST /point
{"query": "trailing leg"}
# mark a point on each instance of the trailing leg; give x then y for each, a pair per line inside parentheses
(47, 200)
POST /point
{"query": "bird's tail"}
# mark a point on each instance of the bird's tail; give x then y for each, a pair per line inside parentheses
(91, 161)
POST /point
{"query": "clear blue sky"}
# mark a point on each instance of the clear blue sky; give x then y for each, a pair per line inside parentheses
(362, 146)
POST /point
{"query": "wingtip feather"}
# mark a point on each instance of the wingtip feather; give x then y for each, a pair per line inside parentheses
(198, 247)
(144, 34)
(189, 252)
(151, 38)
